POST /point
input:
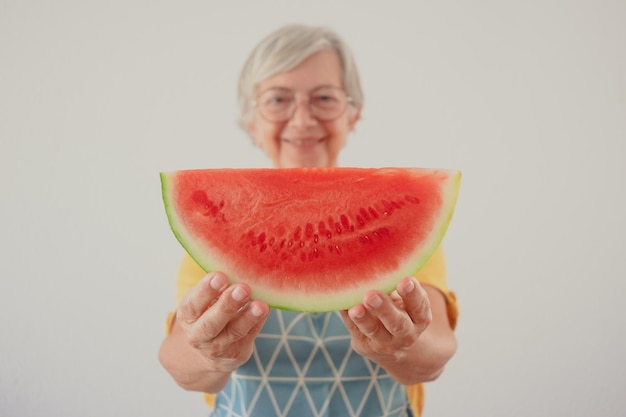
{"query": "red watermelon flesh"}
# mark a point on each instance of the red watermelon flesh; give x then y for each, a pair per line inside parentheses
(311, 239)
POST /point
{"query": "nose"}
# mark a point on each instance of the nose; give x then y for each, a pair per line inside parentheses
(302, 114)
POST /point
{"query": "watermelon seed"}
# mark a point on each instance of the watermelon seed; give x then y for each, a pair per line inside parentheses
(316, 238)
(263, 247)
(329, 235)
(308, 230)
(301, 244)
(322, 228)
(345, 222)
(338, 249)
(262, 237)
(412, 199)
(383, 231)
(271, 241)
(199, 196)
(212, 210)
(365, 214)
(373, 212)
(360, 220)
(296, 234)
(338, 228)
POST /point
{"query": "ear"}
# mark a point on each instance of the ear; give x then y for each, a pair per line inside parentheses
(355, 116)
(252, 131)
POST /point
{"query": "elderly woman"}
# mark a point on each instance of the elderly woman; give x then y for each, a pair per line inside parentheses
(300, 98)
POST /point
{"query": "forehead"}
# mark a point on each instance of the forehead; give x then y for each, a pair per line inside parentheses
(319, 69)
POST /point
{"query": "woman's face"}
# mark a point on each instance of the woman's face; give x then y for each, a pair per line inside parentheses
(303, 140)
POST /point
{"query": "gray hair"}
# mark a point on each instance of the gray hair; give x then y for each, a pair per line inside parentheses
(283, 50)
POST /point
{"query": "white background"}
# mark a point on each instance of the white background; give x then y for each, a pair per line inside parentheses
(527, 98)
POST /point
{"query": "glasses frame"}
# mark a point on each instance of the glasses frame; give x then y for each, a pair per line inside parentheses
(294, 106)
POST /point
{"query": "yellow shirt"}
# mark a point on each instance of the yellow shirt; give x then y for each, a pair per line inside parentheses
(433, 274)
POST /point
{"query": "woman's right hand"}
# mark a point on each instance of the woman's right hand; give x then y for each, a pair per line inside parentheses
(213, 333)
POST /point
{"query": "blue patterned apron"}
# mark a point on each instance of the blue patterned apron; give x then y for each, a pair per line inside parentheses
(303, 365)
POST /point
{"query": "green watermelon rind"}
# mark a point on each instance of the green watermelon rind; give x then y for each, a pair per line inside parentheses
(323, 302)
(190, 246)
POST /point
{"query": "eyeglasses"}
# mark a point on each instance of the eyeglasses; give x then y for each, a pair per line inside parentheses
(279, 104)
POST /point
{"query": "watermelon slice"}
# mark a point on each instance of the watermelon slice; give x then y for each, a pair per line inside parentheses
(311, 239)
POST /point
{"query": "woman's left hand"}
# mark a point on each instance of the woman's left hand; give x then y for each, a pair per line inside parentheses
(386, 324)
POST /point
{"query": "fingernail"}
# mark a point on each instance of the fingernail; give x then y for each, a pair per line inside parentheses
(256, 311)
(217, 282)
(375, 301)
(356, 313)
(410, 286)
(239, 294)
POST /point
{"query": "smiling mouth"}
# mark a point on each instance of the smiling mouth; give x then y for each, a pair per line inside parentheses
(304, 142)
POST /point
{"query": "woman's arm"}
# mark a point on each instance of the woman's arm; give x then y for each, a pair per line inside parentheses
(212, 334)
(408, 332)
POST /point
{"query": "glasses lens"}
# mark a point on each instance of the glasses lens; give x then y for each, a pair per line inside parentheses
(275, 104)
(328, 103)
